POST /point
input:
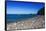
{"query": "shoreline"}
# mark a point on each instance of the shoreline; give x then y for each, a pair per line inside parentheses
(34, 23)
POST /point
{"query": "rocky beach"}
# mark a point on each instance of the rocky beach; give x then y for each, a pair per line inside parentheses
(37, 22)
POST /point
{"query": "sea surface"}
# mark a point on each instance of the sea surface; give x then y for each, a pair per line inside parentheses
(10, 18)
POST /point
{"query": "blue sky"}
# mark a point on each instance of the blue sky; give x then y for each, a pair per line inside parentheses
(15, 7)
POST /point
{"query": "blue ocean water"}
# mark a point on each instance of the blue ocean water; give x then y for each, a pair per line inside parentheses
(18, 17)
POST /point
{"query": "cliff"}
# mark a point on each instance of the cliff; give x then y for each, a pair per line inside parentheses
(41, 11)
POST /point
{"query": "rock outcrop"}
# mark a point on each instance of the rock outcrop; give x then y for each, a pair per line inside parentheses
(41, 11)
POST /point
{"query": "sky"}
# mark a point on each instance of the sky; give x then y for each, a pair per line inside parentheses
(16, 7)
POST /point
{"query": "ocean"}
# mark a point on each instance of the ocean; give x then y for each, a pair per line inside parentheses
(10, 18)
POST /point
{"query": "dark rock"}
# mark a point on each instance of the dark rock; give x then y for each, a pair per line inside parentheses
(41, 11)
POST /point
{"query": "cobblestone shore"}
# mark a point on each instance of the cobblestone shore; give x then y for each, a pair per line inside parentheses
(37, 22)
